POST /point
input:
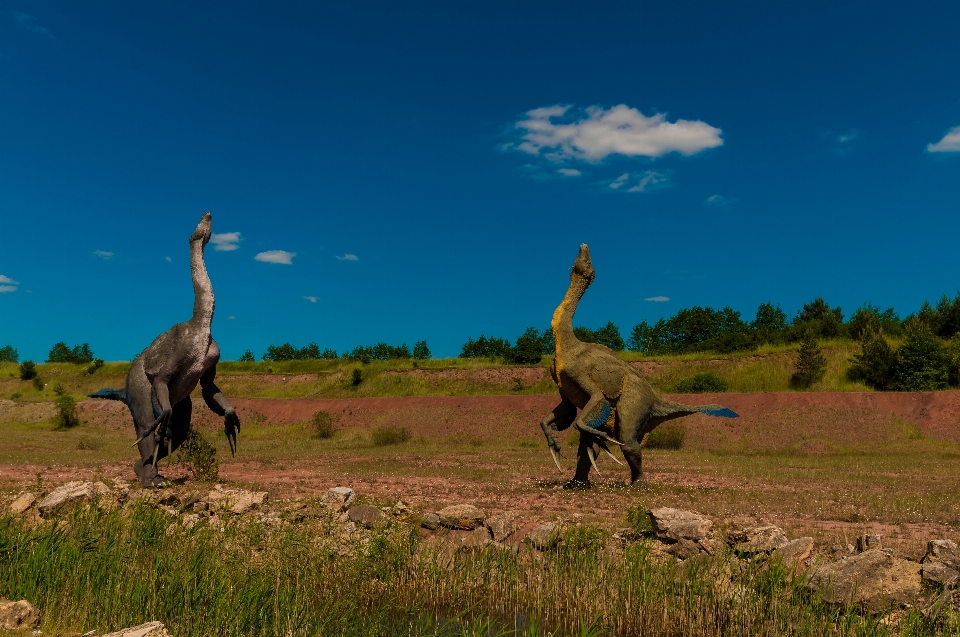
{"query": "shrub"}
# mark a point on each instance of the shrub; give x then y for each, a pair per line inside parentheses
(357, 377)
(28, 370)
(322, 425)
(922, 363)
(66, 417)
(379, 352)
(669, 435)
(384, 436)
(86, 443)
(8, 354)
(811, 365)
(38, 383)
(872, 365)
(702, 383)
(94, 366)
(868, 319)
(59, 389)
(247, 357)
(528, 350)
(200, 456)
(485, 347)
(421, 351)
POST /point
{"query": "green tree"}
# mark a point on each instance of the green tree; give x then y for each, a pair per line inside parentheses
(79, 354)
(421, 351)
(811, 365)
(869, 318)
(484, 347)
(770, 324)
(609, 335)
(872, 365)
(528, 349)
(247, 357)
(8, 354)
(28, 370)
(922, 363)
(818, 317)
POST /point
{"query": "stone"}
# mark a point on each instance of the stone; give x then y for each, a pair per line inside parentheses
(684, 549)
(674, 525)
(868, 541)
(503, 525)
(477, 539)
(939, 573)
(430, 521)
(461, 516)
(544, 537)
(18, 615)
(150, 629)
(236, 501)
(795, 553)
(71, 492)
(339, 498)
(764, 538)
(401, 508)
(365, 515)
(190, 521)
(944, 551)
(873, 580)
(23, 502)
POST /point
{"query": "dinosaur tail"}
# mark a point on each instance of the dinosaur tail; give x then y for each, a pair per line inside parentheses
(717, 410)
(110, 394)
(669, 409)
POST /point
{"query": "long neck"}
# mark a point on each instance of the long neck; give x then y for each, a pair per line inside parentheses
(202, 289)
(562, 323)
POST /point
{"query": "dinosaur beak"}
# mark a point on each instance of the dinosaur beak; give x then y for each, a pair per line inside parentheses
(202, 233)
(583, 266)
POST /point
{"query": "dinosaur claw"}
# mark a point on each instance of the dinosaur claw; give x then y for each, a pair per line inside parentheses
(606, 450)
(593, 460)
(555, 460)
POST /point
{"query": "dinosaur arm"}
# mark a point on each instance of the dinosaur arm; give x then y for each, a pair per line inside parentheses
(558, 419)
(219, 405)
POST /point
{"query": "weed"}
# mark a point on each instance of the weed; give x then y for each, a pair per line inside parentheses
(322, 425)
(59, 389)
(38, 383)
(392, 435)
(66, 417)
(88, 443)
(200, 456)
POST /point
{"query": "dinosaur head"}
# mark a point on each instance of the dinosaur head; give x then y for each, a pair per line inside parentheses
(202, 233)
(583, 267)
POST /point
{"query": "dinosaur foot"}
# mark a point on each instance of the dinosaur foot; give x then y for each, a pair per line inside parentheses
(640, 484)
(148, 476)
(577, 485)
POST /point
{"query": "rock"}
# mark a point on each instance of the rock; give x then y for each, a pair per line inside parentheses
(544, 537)
(365, 515)
(868, 541)
(401, 508)
(23, 502)
(795, 553)
(190, 521)
(430, 521)
(873, 580)
(764, 538)
(944, 551)
(339, 498)
(461, 516)
(235, 500)
(18, 615)
(150, 629)
(674, 525)
(479, 538)
(939, 573)
(168, 499)
(503, 525)
(684, 549)
(71, 492)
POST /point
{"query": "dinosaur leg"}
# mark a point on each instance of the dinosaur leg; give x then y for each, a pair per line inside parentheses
(633, 416)
(179, 427)
(140, 402)
(557, 420)
(586, 460)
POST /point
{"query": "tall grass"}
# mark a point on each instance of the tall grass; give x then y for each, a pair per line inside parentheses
(105, 570)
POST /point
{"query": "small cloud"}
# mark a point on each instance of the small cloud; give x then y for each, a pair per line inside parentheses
(103, 254)
(7, 288)
(225, 241)
(6, 279)
(312, 299)
(569, 172)
(169, 260)
(657, 299)
(846, 138)
(349, 257)
(276, 256)
(719, 200)
(29, 24)
(231, 317)
(649, 180)
(619, 181)
(949, 144)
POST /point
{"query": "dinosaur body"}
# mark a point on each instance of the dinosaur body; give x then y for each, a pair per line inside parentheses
(615, 403)
(163, 376)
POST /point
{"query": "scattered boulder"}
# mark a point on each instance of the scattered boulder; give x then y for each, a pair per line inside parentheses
(795, 553)
(365, 515)
(339, 498)
(190, 520)
(684, 549)
(71, 492)
(763, 538)
(461, 516)
(873, 580)
(503, 525)
(18, 615)
(868, 541)
(544, 537)
(674, 525)
(23, 502)
(477, 539)
(430, 521)
(235, 500)
(150, 629)
(941, 564)
(401, 508)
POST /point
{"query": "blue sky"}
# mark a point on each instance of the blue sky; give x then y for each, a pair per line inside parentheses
(433, 167)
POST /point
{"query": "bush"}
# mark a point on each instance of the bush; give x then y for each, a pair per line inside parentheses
(8, 354)
(79, 354)
(66, 417)
(872, 365)
(200, 456)
(702, 383)
(357, 377)
(384, 436)
(922, 363)
(322, 425)
(247, 357)
(669, 435)
(811, 365)
(379, 352)
(528, 350)
(421, 351)
(94, 366)
(38, 383)
(28, 370)
(868, 319)
(485, 347)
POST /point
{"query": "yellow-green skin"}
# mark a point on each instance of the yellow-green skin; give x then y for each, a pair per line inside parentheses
(593, 379)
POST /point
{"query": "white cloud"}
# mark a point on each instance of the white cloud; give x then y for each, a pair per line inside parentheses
(169, 260)
(846, 138)
(312, 299)
(29, 23)
(6, 279)
(225, 241)
(657, 299)
(949, 144)
(103, 254)
(649, 180)
(597, 133)
(719, 200)
(619, 181)
(231, 317)
(349, 257)
(569, 172)
(276, 256)
(7, 288)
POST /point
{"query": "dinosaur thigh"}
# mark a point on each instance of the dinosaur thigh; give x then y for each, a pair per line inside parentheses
(140, 401)
(180, 424)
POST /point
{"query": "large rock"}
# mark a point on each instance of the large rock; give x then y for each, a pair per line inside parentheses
(430, 521)
(461, 516)
(503, 525)
(71, 492)
(674, 525)
(544, 537)
(941, 564)
(150, 629)
(764, 538)
(18, 615)
(365, 515)
(795, 553)
(479, 538)
(339, 497)
(873, 580)
(23, 502)
(235, 500)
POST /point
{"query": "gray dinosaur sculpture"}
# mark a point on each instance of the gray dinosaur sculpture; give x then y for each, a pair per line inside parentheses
(162, 377)
(616, 404)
